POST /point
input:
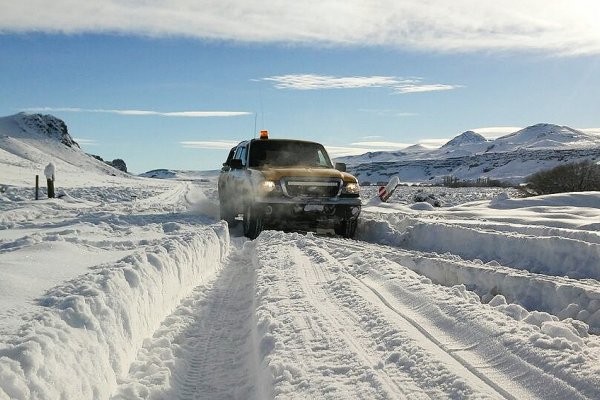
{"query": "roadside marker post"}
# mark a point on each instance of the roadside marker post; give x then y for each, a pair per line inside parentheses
(386, 191)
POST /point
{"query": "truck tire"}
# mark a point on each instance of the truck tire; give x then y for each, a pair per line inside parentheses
(346, 228)
(253, 222)
(226, 212)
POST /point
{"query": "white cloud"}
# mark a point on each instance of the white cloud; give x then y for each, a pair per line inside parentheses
(334, 151)
(493, 132)
(416, 88)
(314, 82)
(384, 112)
(340, 151)
(210, 145)
(86, 142)
(372, 137)
(557, 26)
(311, 81)
(386, 145)
(591, 131)
(433, 142)
(185, 114)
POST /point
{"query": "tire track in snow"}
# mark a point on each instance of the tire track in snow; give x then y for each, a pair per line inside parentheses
(438, 375)
(533, 291)
(221, 355)
(464, 332)
(312, 355)
(207, 348)
(343, 323)
(439, 344)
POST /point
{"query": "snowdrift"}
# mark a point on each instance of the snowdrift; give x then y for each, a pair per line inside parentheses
(93, 326)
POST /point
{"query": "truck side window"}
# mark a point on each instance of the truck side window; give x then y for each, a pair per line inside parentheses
(229, 157)
(241, 154)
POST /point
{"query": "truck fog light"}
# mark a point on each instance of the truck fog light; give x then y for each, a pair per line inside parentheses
(355, 211)
(268, 210)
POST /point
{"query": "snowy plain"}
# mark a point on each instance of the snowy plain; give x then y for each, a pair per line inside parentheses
(131, 288)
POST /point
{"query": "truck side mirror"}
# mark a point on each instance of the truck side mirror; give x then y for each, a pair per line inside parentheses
(340, 166)
(236, 163)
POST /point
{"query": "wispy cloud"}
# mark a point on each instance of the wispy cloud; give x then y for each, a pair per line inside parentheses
(86, 142)
(340, 151)
(372, 137)
(388, 113)
(493, 132)
(418, 88)
(434, 142)
(210, 145)
(385, 145)
(591, 131)
(334, 151)
(558, 26)
(184, 114)
(319, 82)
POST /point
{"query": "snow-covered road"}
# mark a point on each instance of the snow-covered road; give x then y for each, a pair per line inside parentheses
(136, 291)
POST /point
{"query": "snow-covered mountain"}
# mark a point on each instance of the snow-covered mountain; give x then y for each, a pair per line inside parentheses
(28, 142)
(545, 136)
(470, 156)
(468, 137)
(415, 148)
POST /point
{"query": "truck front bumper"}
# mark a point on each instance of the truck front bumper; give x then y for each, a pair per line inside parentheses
(307, 212)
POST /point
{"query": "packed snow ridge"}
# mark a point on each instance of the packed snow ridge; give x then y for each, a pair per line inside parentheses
(131, 288)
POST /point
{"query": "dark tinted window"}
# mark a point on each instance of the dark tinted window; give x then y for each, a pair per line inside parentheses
(230, 156)
(240, 153)
(288, 154)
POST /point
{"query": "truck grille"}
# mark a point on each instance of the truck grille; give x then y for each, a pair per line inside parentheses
(311, 188)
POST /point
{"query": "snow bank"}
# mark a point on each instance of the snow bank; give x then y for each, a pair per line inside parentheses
(550, 255)
(541, 249)
(93, 326)
(563, 297)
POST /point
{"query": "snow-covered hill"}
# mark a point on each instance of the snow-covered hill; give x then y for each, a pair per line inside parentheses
(28, 142)
(470, 156)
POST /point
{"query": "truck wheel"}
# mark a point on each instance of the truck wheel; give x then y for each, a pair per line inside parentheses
(226, 212)
(253, 222)
(346, 228)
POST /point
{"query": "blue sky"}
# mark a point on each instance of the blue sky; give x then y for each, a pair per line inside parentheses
(172, 84)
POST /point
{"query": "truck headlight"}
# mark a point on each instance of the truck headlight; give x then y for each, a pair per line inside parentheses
(268, 186)
(351, 188)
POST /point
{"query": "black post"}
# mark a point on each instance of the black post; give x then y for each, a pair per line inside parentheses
(50, 188)
(37, 187)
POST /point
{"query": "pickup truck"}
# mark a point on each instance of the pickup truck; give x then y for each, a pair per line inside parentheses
(287, 184)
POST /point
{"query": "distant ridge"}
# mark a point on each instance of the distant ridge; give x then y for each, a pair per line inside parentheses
(470, 156)
(541, 136)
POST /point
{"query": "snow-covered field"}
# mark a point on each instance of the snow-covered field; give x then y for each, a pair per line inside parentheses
(133, 289)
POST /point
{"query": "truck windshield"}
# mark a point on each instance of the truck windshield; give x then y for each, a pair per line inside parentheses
(288, 154)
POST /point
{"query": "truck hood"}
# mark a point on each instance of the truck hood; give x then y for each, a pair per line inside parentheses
(275, 174)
